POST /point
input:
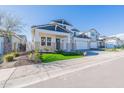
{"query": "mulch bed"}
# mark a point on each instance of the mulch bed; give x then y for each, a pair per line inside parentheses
(19, 61)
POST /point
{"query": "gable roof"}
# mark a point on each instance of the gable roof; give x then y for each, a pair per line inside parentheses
(74, 29)
(62, 21)
(83, 36)
(115, 38)
(52, 27)
(23, 37)
(92, 29)
(4, 33)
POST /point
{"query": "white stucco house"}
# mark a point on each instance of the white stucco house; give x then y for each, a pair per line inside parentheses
(113, 42)
(61, 35)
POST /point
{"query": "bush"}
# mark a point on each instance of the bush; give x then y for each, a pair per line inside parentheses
(60, 52)
(122, 47)
(74, 53)
(1, 59)
(8, 58)
(30, 56)
(36, 57)
(15, 54)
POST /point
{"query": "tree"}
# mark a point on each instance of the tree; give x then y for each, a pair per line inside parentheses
(1, 17)
(10, 23)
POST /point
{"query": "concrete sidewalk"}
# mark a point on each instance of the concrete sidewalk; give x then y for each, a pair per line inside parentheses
(30, 74)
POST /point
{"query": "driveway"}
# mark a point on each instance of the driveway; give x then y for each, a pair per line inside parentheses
(110, 74)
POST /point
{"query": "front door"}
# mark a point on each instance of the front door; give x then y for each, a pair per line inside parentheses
(57, 44)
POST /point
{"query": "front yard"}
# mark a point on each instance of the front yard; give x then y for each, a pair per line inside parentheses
(15, 59)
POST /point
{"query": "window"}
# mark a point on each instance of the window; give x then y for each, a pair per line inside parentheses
(43, 41)
(93, 34)
(74, 33)
(48, 41)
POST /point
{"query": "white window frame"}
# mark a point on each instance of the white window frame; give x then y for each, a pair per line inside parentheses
(44, 41)
(49, 41)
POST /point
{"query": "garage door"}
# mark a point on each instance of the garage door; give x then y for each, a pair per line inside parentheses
(110, 45)
(1, 45)
(93, 45)
(81, 45)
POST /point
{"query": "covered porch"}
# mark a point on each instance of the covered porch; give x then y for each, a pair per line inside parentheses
(50, 41)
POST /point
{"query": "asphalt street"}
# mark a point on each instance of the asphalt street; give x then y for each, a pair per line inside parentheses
(106, 75)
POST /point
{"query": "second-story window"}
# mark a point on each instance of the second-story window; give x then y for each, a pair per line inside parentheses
(93, 34)
(43, 41)
(74, 33)
(48, 41)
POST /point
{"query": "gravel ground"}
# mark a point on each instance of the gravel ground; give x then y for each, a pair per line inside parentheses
(19, 61)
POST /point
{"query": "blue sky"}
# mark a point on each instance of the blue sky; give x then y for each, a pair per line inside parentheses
(108, 20)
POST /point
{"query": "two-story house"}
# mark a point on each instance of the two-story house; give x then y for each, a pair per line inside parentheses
(93, 35)
(58, 35)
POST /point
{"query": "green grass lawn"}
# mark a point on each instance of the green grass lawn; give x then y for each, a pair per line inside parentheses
(54, 57)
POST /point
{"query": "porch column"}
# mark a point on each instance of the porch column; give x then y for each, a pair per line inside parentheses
(68, 43)
(37, 40)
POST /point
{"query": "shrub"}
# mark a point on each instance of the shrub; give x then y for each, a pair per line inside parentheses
(30, 56)
(8, 58)
(1, 59)
(46, 49)
(74, 53)
(60, 52)
(122, 47)
(36, 57)
(78, 52)
(15, 54)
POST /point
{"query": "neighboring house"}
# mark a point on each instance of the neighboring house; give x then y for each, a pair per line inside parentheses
(9, 43)
(121, 37)
(1, 45)
(23, 44)
(5, 44)
(113, 42)
(94, 38)
(18, 42)
(58, 35)
(101, 41)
